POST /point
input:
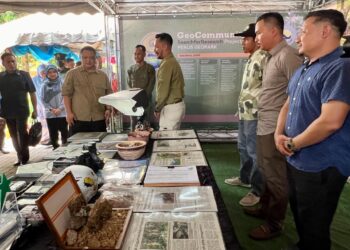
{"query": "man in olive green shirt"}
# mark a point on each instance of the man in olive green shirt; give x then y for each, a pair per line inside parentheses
(142, 75)
(170, 105)
(82, 88)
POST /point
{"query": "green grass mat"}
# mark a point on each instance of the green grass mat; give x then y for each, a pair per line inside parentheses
(224, 162)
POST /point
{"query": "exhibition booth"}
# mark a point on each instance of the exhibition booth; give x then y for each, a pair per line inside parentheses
(145, 189)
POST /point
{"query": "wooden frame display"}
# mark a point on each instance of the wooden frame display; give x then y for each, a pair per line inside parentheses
(54, 207)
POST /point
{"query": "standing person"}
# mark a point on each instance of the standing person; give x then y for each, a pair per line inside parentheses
(142, 75)
(14, 86)
(170, 106)
(314, 126)
(249, 174)
(283, 60)
(81, 89)
(69, 64)
(64, 64)
(77, 64)
(38, 81)
(52, 100)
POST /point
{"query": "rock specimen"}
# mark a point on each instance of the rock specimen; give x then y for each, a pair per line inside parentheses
(103, 228)
(79, 212)
(71, 237)
(100, 213)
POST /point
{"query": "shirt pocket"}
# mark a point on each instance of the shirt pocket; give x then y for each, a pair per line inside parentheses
(100, 88)
(79, 85)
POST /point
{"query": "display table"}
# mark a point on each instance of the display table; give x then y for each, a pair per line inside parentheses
(40, 237)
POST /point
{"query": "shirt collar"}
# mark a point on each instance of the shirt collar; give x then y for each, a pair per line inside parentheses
(278, 47)
(168, 56)
(332, 56)
(81, 69)
(336, 53)
(16, 72)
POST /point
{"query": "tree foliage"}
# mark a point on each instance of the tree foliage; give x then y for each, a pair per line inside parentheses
(9, 16)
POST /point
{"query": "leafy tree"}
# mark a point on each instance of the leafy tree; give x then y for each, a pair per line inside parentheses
(9, 16)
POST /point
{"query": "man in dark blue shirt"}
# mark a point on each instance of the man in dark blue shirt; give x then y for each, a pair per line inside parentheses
(313, 128)
(14, 87)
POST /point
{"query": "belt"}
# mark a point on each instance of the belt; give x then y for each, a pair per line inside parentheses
(180, 100)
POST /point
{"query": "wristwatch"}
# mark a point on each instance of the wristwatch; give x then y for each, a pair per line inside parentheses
(290, 145)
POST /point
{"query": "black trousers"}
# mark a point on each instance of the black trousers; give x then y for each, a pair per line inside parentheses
(56, 125)
(274, 198)
(313, 200)
(19, 135)
(90, 126)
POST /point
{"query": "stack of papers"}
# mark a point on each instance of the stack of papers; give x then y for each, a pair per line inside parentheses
(83, 137)
(190, 158)
(176, 145)
(186, 231)
(34, 169)
(174, 134)
(115, 138)
(36, 191)
(71, 151)
(165, 199)
(171, 176)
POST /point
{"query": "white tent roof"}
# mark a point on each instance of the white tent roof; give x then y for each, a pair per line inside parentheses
(47, 6)
(160, 7)
(43, 29)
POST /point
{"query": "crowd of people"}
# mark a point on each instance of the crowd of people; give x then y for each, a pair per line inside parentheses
(294, 121)
(294, 126)
(65, 99)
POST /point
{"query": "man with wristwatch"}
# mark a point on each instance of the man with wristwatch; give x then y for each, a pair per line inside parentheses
(290, 145)
(313, 128)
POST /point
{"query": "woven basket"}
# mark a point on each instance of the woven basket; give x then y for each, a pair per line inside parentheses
(131, 150)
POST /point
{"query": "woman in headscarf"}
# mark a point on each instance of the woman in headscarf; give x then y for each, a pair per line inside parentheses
(38, 81)
(40, 77)
(55, 112)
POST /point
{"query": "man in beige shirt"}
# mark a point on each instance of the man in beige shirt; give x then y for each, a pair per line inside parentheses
(170, 106)
(282, 62)
(81, 89)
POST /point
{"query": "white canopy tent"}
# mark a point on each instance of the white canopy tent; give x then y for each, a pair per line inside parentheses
(47, 6)
(40, 29)
(160, 7)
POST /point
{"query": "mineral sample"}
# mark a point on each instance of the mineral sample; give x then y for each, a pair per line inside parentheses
(100, 213)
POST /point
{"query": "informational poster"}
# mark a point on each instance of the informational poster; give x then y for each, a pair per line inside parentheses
(210, 56)
(174, 231)
(183, 145)
(165, 159)
(174, 134)
(161, 199)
